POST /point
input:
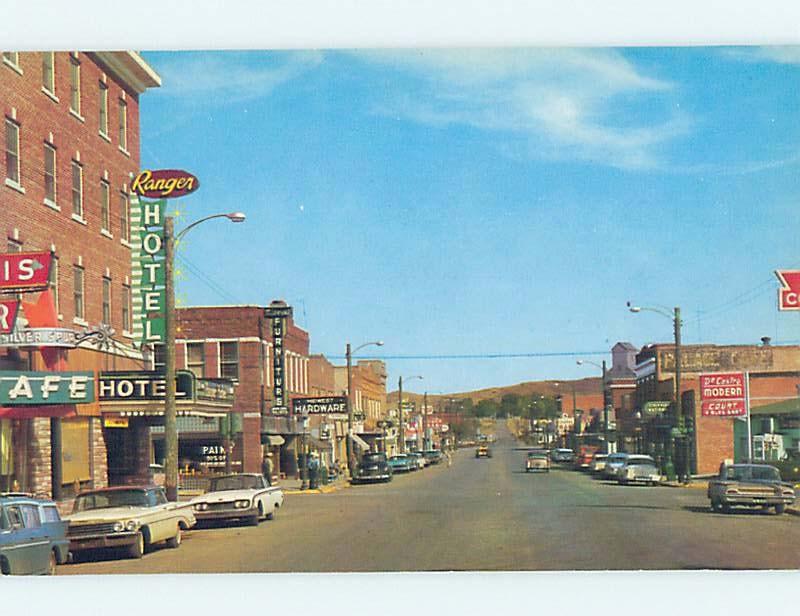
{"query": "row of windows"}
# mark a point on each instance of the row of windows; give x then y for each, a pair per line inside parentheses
(196, 359)
(75, 88)
(77, 189)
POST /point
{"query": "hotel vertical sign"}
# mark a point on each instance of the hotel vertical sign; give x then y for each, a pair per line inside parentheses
(148, 266)
(277, 313)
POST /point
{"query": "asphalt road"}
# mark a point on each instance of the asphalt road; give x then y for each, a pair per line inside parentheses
(485, 514)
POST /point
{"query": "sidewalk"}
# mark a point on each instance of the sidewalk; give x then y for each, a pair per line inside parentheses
(292, 486)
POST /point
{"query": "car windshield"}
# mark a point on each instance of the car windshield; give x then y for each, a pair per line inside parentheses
(753, 473)
(111, 498)
(373, 457)
(235, 482)
(639, 460)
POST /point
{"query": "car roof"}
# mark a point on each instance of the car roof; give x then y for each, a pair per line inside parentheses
(11, 498)
(118, 489)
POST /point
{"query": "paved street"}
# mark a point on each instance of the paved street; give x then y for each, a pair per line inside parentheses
(484, 514)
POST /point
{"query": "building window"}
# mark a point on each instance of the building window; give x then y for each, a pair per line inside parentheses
(12, 151)
(103, 109)
(49, 72)
(123, 125)
(229, 360)
(159, 357)
(12, 58)
(49, 174)
(126, 308)
(77, 291)
(195, 358)
(105, 214)
(77, 189)
(54, 283)
(106, 300)
(75, 85)
(124, 227)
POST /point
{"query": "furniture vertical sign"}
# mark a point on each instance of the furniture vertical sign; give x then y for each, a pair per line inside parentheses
(277, 313)
(148, 266)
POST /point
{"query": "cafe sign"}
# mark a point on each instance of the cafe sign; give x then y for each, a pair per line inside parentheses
(21, 388)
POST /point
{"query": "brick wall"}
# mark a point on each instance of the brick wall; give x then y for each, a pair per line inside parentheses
(99, 454)
(39, 464)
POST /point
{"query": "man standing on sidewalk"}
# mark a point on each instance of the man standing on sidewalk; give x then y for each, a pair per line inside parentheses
(268, 467)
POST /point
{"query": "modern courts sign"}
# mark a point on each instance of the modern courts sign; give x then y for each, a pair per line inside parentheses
(724, 394)
(148, 248)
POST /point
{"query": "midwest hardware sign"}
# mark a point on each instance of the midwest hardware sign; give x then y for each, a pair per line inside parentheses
(144, 385)
(148, 267)
(20, 388)
(723, 394)
(320, 406)
(25, 271)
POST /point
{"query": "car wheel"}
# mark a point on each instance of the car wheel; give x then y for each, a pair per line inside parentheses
(780, 508)
(51, 564)
(174, 542)
(261, 511)
(136, 549)
(725, 507)
(271, 514)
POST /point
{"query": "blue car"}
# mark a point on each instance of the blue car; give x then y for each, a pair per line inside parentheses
(32, 536)
(402, 464)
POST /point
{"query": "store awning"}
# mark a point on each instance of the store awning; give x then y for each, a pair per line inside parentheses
(32, 412)
(360, 442)
(275, 440)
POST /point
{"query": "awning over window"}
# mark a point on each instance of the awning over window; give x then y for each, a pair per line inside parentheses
(275, 440)
(360, 442)
(32, 412)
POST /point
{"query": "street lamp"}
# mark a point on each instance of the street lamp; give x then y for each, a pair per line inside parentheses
(602, 367)
(401, 434)
(351, 466)
(170, 412)
(675, 317)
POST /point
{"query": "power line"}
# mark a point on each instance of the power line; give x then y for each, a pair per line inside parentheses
(481, 355)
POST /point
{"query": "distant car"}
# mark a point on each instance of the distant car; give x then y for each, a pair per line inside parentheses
(32, 536)
(598, 463)
(374, 467)
(133, 518)
(749, 485)
(433, 456)
(562, 455)
(537, 461)
(638, 469)
(240, 496)
(419, 458)
(614, 462)
(483, 451)
(403, 463)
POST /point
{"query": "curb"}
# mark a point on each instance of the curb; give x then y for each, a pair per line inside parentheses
(322, 490)
(686, 486)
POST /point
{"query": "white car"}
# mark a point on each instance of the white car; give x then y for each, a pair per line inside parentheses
(638, 469)
(242, 496)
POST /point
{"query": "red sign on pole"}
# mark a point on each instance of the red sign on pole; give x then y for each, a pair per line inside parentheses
(789, 293)
(25, 271)
(8, 315)
(723, 394)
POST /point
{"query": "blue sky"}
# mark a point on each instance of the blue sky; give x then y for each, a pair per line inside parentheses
(468, 202)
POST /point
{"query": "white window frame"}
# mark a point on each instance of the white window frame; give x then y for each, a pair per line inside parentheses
(13, 182)
(123, 125)
(105, 208)
(103, 111)
(126, 309)
(75, 87)
(53, 282)
(80, 315)
(79, 214)
(11, 59)
(49, 88)
(53, 203)
(124, 218)
(105, 287)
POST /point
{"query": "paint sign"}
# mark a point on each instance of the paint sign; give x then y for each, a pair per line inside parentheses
(8, 315)
(723, 394)
(148, 270)
(164, 183)
(25, 271)
(22, 388)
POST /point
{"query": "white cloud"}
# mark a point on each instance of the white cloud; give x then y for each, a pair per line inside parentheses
(571, 103)
(232, 76)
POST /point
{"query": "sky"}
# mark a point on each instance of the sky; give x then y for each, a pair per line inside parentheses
(483, 202)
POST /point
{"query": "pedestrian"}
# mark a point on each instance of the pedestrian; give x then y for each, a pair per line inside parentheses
(313, 470)
(268, 467)
(449, 458)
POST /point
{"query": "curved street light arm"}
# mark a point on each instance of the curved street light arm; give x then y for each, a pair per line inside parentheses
(232, 216)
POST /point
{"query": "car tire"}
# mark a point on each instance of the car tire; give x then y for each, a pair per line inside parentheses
(175, 542)
(137, 548)
(271, 514)
(261, 515)
(51, 564)
(725, 507)
(780, 508)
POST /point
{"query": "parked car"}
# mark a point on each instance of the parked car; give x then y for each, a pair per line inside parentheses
(614, 462)
(433, 456)
(402, 463)
(584, 458)
(419, 458)
(598, 463)
(537, 461)
(562, 455)
(749, 485)
(373, 467)
(638, 469)
(483, 451)
(32, 536)
(240, 496)
(132, 518)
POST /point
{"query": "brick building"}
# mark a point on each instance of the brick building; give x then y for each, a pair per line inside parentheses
(774, 376)
(71, 135)
(234, 342)
(368, 398)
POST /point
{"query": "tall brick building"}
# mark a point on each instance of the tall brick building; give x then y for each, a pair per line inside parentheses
(71, 144)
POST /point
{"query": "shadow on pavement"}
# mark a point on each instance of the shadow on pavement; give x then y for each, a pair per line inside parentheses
(734, 512)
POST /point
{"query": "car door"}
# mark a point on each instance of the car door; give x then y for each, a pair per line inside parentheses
(162, 516)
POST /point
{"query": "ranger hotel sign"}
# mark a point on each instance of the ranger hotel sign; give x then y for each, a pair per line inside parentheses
(320, 406)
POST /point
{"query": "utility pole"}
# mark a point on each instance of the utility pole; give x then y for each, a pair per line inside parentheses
(605, 407)
(678, 402)
(170, 412)
(425, 422)
(400, 434)
(349, 440)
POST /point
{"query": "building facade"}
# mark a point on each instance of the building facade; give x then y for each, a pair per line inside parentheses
(71, 135)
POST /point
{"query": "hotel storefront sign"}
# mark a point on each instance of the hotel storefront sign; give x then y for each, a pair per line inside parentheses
(140, 386)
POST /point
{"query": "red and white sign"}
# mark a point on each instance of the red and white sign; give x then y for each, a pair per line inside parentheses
(8, 315)
(25, 271)
(789, 293)
(723, 394)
